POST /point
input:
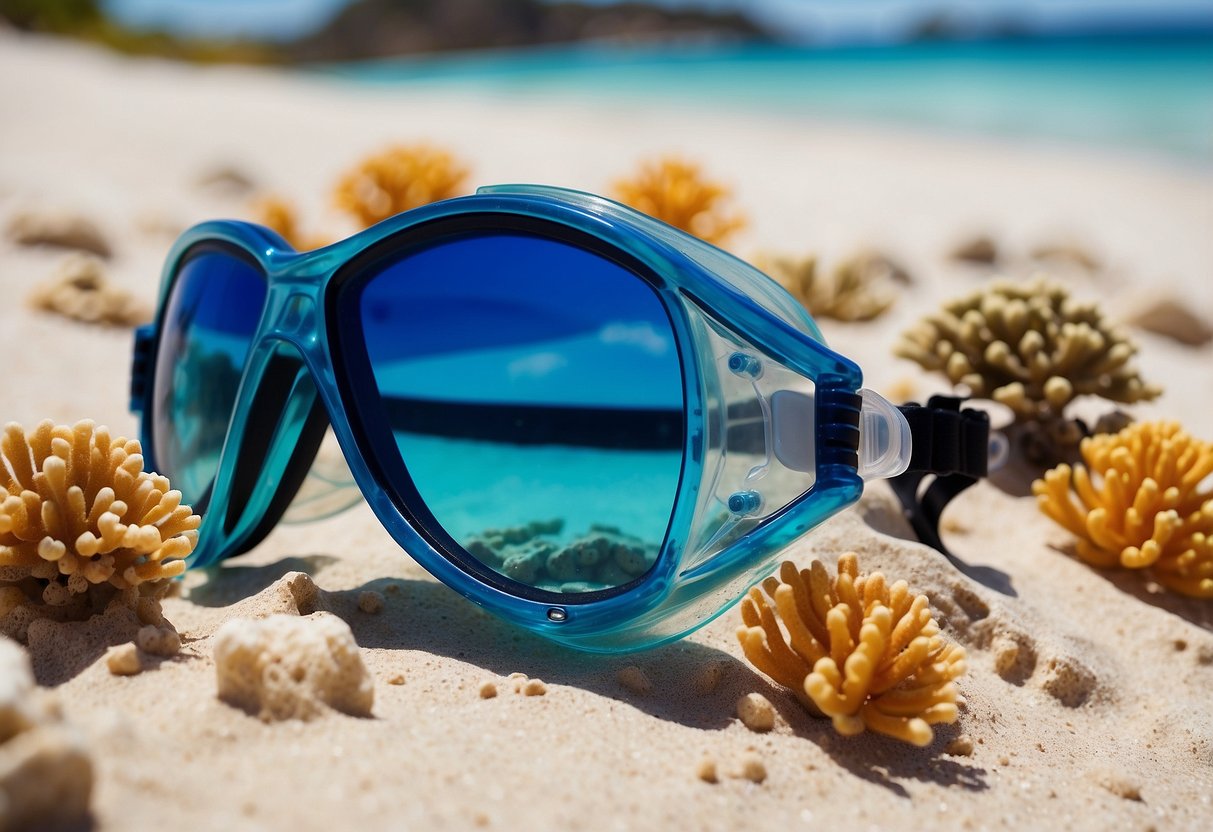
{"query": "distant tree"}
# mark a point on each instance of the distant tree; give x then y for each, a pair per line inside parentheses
(59, 16)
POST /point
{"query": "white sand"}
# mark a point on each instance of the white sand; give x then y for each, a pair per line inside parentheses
(123, 141)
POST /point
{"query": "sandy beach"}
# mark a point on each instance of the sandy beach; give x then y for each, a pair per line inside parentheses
(1103, 721)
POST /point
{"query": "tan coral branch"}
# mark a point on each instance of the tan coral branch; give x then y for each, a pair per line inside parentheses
(868, 655)
(77, 512)
(1140, 501)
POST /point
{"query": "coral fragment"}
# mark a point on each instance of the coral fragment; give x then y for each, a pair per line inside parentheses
(864, 653)
(82, 525)
(291, 667)
(79, 290)
(279, 215)
(46, 773)
(857, 289)
(1029, 346)
(398, 179)
(675, 191)
(1140, 501)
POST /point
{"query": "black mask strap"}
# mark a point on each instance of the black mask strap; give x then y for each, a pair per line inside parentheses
(950, 444)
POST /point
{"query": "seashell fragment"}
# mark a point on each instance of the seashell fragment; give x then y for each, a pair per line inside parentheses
(1141, 500)
(866, 654)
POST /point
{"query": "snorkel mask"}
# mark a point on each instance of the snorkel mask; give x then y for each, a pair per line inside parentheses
(590, 423)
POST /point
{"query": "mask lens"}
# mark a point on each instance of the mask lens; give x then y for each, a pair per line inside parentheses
(533, 390)
(212, 312)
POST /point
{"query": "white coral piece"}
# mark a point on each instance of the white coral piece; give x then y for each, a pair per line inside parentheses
(46, 775)
(287, 667)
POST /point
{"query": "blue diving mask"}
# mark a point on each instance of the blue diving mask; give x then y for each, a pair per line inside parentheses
(594, 425)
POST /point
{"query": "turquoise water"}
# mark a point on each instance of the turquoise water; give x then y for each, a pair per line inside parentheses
(1151, 95)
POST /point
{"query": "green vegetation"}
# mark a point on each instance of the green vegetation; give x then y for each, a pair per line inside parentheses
(384, 28)
(86, 20)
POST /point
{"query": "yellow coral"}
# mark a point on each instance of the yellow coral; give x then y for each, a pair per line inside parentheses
(278, 214)
(856, 290)
(81, 523)
(675, 191)
(1029, 346)
(866, 654)
(1139, 502)
(399, 179)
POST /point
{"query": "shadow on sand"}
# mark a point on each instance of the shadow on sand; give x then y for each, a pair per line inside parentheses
(886, 518)
(427, 617)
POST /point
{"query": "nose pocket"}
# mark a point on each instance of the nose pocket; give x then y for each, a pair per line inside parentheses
(285, 427)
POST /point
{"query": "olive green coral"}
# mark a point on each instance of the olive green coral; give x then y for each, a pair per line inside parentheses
(83, 525)
(858, 288)
(1141, 501)
(1029, 346)
(864, 653)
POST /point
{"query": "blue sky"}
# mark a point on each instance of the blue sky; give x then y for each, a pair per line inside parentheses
(833, 20)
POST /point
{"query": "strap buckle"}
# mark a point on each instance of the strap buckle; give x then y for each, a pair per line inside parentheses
(950, 444)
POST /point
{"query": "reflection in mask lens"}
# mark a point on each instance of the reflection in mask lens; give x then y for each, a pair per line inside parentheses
(209, 321)
(534, 392)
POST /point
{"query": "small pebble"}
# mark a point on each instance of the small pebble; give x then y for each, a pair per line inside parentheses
(397, 679)
(962, 746)
(158, 641)
(708, 677)
(706, 770)
(534, 687)
(1121, 787)
(124, 660)
(519, 679)
(752, 768)
(370, 602)
(488, 690)
(756, 712)
(634, 679)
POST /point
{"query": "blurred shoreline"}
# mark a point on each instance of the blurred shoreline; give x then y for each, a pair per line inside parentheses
(1144, 94)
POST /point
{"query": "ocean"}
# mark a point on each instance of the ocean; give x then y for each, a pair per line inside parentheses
(1144, 94)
